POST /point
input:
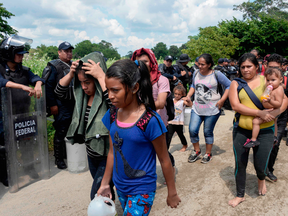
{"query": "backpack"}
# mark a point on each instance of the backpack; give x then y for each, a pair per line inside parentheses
(170, 107)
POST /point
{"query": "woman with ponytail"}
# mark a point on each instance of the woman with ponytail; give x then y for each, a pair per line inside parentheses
(137, 134)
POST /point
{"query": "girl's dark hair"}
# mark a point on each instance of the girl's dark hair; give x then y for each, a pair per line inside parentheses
(181, 89)
(208, 59)
(273, 70)
(129, 74)
(247, 56)
(79, 70)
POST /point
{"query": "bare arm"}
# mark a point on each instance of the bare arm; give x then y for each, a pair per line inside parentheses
(189, 95)
(187, 102)
(244, 110)
(191, 92)
(161, 100)
(161, 150)
(276, 99)
(220, 103)
(28, 89)
(65, 81)
(38, 89)
(104, 189)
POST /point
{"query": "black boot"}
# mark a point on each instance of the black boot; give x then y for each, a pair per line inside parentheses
(3, 167)
(58, 153)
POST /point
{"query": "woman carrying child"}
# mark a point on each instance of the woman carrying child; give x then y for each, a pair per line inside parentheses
(242, 103)
(137, 134)
(273, 101)
(176, 125)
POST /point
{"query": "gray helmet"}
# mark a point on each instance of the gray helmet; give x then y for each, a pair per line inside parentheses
(13, 45)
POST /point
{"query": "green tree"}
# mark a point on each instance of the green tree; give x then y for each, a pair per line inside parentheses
(85, 47)
(5, 29)
(108, 50)
(174, 51)
(267, 34)
(129, 54)
(254, 9)
(50, 51)
(183, 47)
(160, 50)
(211, 40)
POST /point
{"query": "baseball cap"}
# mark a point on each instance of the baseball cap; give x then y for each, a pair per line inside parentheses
(220, 60)
(65, 45)
(169, 57)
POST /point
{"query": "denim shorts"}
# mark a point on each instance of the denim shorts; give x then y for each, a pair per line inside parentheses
(209, 124)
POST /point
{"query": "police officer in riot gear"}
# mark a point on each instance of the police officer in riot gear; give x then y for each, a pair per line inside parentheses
(14, 75)
(60, 107)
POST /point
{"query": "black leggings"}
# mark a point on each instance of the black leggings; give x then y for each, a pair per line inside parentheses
(179, 130)
(168, 146)
(281, 123)
(261, 155)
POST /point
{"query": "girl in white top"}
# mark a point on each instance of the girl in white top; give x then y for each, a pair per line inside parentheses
(177, 123)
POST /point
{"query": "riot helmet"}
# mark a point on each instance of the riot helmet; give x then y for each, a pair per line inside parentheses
(12, 45)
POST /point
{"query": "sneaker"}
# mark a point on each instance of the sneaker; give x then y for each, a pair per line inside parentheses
(272, 177)
(207, 158)
(249, 143)
(194, 156)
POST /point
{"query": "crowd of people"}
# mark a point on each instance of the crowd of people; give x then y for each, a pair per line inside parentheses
(102, 107)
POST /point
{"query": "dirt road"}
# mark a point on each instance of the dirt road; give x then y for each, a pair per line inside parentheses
(204, 189)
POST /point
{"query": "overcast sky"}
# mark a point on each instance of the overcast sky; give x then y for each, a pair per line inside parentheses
(127, 24)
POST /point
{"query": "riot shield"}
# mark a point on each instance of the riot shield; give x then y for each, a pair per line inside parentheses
(25, 134)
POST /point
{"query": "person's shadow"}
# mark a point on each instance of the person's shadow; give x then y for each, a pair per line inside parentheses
(3, 190)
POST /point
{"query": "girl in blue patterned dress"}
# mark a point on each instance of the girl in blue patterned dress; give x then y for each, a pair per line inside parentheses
(137, 134)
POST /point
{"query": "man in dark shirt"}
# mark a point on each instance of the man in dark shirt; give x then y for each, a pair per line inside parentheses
(60, 108)
(184, 72)
(168, 71)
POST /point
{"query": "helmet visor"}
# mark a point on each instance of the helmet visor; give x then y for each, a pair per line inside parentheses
(16, 40)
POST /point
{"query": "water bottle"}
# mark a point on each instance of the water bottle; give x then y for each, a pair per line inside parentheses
(267, 92)
(101, 206)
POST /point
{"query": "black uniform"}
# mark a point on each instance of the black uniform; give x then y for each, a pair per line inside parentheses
(55, 71)
(22, 75)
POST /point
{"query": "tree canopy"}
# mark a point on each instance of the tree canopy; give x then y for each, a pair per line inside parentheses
(160, 50)
(253, 10)
(85, 47)
(50, 51)
(5, 28)
(211, 40)
(267, 34)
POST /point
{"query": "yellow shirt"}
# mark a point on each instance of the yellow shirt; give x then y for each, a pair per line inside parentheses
(245, 122)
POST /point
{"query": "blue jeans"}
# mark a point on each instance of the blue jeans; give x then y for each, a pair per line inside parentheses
(97, 169)
(209, 124)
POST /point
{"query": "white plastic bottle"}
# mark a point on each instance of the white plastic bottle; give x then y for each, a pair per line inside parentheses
(101, 206)
(267, 92)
